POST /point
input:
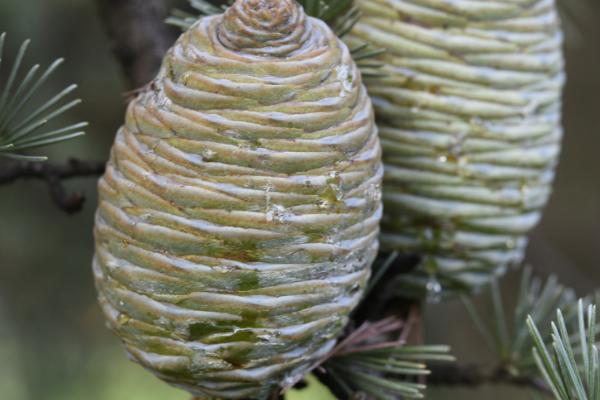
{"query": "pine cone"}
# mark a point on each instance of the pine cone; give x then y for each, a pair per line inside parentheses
(239, 212)
(469, 117)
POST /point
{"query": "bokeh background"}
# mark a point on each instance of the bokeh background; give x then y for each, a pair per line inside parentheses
(53, 343)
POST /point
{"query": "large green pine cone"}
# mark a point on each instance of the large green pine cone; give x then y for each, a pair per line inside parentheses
(469, 112)
(239, 212)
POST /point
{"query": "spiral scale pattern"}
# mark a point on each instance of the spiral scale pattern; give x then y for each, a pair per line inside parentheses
(469, 113)
(239, 212)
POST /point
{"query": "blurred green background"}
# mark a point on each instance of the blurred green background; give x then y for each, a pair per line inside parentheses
(53, 343)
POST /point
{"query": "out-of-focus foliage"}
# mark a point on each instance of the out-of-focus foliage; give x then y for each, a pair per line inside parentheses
(506, 332)
(313, 390)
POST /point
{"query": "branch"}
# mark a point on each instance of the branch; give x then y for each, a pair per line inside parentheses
(139, 39)
(472, 375)
(53, 175)
(355, 341)
(139, 36)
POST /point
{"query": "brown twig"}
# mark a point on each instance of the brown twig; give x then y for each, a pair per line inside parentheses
(138, 34)
(361, 339)
(369, 336)
(53, 175)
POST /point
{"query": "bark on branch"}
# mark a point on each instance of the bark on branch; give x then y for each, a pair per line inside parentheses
(138, 34)
(53, 175)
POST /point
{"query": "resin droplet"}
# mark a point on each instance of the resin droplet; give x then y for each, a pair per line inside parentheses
(434, 291)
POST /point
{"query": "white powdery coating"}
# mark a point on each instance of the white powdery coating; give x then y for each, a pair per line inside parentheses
(239, 212)
(469, 115)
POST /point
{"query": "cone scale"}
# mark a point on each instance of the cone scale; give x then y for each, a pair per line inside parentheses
(239, 212)
(469, 118)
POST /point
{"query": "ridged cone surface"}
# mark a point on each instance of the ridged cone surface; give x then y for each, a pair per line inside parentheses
(469, 114)
(239, 212)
